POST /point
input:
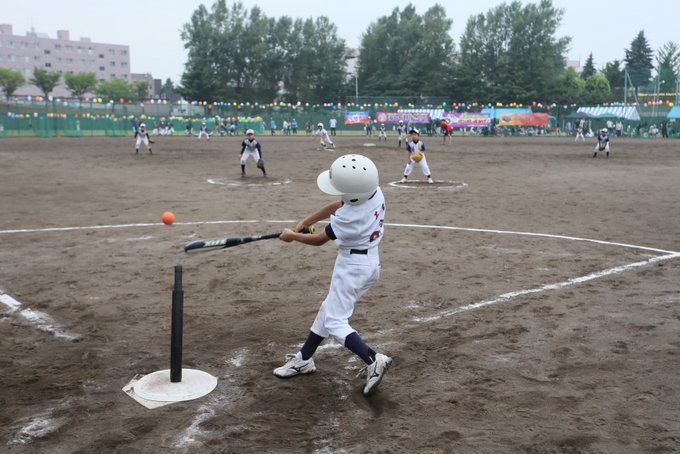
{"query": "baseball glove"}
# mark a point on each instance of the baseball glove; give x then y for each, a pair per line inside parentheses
(417, 157)
(260, 164)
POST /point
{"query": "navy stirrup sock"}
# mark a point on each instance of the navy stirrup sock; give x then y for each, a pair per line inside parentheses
(356, 344)
(310, 345)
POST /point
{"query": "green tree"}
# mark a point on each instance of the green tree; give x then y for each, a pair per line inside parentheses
(639, 61)
(235, 53)
(114, 90)
(597, 90)
(572, 87)
(45, 80)
(588, 68)
(167, 89)
(81, 83)
(614, 74)
(668, 65)
(140, 90)
(406, 53)
(10, 81)
(511, 54)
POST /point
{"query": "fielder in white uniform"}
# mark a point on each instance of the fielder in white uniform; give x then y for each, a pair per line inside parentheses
(142, 136)
(412, 148)
(401, 130)
(323, 134)
(203, 131)
(602, 142)
(579, 134)
(382, 133)
(356, 225)
(250, 147)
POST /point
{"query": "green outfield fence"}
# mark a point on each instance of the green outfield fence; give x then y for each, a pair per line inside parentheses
(22, 118)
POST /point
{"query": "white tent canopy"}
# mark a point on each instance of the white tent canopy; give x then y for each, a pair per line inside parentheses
(434, 113)
(625, 113)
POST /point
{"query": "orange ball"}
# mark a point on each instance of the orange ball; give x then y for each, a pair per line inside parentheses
(168, 218)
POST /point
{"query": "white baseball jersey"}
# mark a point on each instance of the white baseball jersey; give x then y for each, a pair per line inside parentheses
(323, 134)
(357, 230)
(602, 142)
(142, 137)
(250, 148)
(413, 148)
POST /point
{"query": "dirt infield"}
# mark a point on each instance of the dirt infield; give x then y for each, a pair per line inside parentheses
(529, 298)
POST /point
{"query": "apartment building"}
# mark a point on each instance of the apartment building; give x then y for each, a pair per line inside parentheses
(38, 50)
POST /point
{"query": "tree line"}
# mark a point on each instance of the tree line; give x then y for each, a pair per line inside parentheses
(509, 54)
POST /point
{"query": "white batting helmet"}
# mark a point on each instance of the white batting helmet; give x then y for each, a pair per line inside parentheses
(250, 131)
(142, 126)
(320, 125)
(603, 130)
(352, 176)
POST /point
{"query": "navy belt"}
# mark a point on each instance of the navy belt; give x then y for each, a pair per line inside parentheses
(358, 251)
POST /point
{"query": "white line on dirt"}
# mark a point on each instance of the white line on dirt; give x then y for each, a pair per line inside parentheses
(577, 280)
(40, 320)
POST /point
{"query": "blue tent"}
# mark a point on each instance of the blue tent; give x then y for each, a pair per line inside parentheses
(674, 113)
(496, 113)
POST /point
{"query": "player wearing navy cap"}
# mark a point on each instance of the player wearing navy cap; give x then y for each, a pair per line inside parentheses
(356, 225)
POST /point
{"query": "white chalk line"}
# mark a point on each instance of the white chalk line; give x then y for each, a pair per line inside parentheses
(43, 321)
(559, 285)
(39, 319)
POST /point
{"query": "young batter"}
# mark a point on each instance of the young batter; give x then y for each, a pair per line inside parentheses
(356, 225)
(142, 136)
(602, 142)
(323, 134)
(415, 149)
(250, 147)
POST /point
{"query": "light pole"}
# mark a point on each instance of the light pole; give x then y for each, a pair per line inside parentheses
(356, 86)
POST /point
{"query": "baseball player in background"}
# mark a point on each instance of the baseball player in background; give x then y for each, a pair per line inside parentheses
(602, 142)
(382, 133)
(325, 140)
(142, 136)
(415, 149)
(579, 134)
(203, 131)
(356, 225)
(401, 132)
(250, 147)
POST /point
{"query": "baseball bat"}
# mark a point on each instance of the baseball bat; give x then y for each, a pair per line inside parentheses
(223, 243)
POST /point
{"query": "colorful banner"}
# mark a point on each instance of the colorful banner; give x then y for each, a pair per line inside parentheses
(356, 118)
(468, 119)
(406, 117)
(525, 119)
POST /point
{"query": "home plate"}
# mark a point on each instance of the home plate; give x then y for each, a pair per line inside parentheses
(369, 145)
(156, 390)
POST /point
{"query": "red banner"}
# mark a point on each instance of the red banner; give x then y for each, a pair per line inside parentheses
(523, 119)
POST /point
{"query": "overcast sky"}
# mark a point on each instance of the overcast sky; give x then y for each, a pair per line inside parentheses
(151, 27)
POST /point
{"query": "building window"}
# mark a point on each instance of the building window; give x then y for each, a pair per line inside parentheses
(101, 68)
(57, 47)
(112, 63)
(48, 65)
(124, 64)
(36, 58)
(23, 45)
(10, 44)
(123, 52)
(101, 55)
(113, 76)
(69, 48)
(59, 60)
(69, 61)
(124, 76)
(112, 52)
(80, 50)
(89, 50)
(26, 58)
(47, 51)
